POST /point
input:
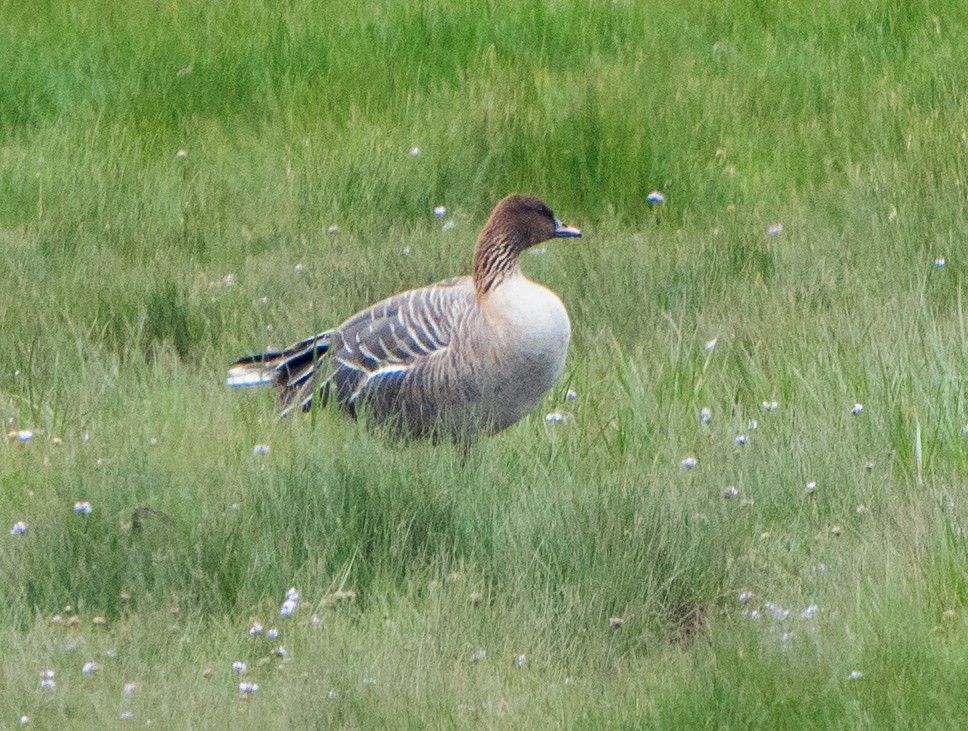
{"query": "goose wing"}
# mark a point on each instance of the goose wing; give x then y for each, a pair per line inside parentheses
(398, 335)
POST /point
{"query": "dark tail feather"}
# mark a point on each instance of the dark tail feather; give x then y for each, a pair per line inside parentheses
(290, 369)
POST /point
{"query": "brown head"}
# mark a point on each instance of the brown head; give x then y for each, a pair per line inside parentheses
(517, 223)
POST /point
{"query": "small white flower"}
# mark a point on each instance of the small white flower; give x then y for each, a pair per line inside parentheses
(22, 435)
(228, 280)
(811, 486)
(775, 229)
(332, 694)
(752, 614)
(730, 492)
(280, 651)
(298, 269)
(753, 424)
(440, 212)
(810, 612)
(273, 633)
(555, 417)
(405, 251)
(655, 197)
(239, 667)
(24, 720)
(130, 688)
(939, 262)
(89, 667)
(368, 680)
(292, 593)
(126, 715)
(689, 462)
(479, 656)
(857, 409)
(19, 528)
(856, 675)
(710, 345)
(333, 229)
(246, 688)
(259, 449)
(83, 507)
(288, 608)
(47, 675)
(414, 151)
(571, 394)
(48, 684)
(520, 660)
(181, 154)
(741, 439)
(153, 442)
(255, 629)
(745, 596)
(778, 612)
(771, 405)
(705, 415)
(184, 71)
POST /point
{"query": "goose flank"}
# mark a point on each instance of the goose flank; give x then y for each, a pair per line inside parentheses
(455, 359)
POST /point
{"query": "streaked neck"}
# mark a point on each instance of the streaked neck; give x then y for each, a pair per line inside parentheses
(495, 260)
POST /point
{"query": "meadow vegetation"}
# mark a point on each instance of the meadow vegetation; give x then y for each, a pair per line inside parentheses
(183, 183)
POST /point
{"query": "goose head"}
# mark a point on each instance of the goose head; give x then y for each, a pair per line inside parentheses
(517, 223)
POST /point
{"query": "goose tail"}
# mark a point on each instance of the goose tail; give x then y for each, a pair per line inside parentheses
(290, 369)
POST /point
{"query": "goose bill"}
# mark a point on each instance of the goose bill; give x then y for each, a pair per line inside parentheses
(566, 232)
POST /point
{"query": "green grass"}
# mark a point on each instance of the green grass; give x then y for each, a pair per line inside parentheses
(134, 274)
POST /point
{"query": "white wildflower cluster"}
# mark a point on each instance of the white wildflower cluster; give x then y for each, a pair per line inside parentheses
(83, 507)
(290, 604)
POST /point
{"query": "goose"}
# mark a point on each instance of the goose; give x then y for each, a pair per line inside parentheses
(463, 357)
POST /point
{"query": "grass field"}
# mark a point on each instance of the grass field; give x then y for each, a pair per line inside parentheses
(183, 183)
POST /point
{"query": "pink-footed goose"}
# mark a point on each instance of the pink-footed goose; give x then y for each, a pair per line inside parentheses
(461, 357)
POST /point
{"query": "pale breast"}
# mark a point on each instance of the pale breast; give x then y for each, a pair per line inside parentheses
(533, 329)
